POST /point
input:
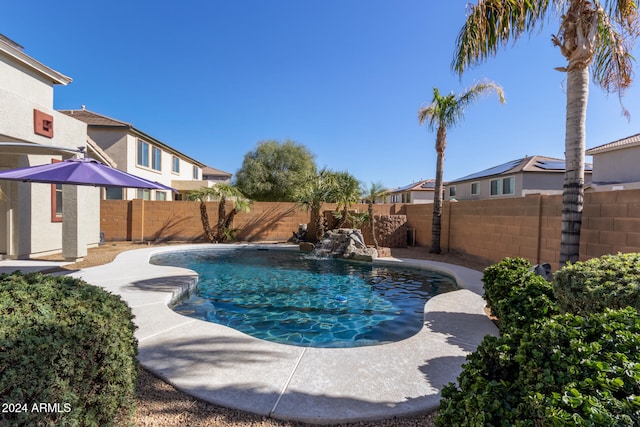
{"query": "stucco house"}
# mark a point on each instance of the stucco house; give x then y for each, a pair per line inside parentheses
(616, 164)
(215, 175)
(517, 178)
(32, 218)
(415, 193)
(139, 153)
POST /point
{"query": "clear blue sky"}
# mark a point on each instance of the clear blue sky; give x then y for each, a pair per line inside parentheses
(344, 78)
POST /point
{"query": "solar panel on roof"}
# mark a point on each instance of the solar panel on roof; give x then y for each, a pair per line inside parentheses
(554, 165)
(496, 170)
(406, 187)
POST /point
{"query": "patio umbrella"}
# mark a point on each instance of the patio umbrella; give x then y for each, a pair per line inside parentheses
(81, 172)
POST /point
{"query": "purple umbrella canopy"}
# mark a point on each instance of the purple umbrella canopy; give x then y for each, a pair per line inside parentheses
(81, 172)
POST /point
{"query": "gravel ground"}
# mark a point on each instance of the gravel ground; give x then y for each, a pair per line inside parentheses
(161, 405)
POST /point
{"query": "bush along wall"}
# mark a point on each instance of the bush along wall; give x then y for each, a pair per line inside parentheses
(579, 368)
(67, 353)
(611, 281)
(516, 295)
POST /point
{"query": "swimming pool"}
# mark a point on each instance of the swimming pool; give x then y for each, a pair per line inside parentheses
(295, 298)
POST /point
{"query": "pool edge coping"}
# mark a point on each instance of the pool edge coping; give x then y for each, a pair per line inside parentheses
(462, 275)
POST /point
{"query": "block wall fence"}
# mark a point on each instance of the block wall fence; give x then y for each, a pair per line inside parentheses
(489, 230)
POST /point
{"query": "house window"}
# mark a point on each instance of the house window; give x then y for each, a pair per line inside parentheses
(113, 193)
(143, 154)
(161, 195)
(144, 194)
(495, 184)
(175, 164)
(475, 188)
(503, 186)
(196, 172)
(156, 158)
(56, 200)
(452, 191)
(507, 185)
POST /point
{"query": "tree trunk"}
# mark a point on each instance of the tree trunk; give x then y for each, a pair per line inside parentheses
(222, 213)
(441, 139)
(204, 217)
(319, 222)
(227, 225)
(372, 224)
(575, 141)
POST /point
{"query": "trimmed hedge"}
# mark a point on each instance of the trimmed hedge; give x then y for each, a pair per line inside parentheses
(516, 295)
(611, 281)
(567, 370)
(499, 280)
(67, 353)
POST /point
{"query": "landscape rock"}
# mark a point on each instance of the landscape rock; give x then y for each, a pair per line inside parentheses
(345, 243)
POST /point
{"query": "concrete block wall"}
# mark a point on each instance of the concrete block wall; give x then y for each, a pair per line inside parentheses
(269, 221)
(115, 220)
(611, 223)
(526, 227)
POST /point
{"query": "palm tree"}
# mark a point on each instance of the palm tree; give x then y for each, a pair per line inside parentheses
(220, 192)
(312, 195)
(445, 112)
(593, 34)
(370, 194)
(345, 192)
(202, 195)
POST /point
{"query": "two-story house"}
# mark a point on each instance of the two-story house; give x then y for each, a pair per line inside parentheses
(32, 219)
(141, 154)
(415, 193)
(517, 178)
(615, 165)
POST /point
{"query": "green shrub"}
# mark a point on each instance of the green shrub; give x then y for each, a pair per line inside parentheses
(67, 353)
(516, 295)
(499, 280)
(612, 281)
(567, 370)
(531, 299)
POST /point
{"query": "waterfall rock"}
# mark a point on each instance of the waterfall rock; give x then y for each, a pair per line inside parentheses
(345, 243)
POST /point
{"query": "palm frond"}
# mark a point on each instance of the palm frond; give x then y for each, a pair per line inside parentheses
(612, 62)
(491, 24)
(449, 110)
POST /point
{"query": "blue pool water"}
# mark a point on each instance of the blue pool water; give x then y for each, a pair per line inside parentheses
(295, 298)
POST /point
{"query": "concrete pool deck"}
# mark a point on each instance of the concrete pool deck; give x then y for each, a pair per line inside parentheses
(315, 385)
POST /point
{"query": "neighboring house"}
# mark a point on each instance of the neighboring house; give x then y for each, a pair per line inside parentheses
(415, 193)
(616, 164)
(517, 178)
(215, 175)
(32, 218)
(141, 154)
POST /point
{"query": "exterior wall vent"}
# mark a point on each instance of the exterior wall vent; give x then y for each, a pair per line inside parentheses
(42, 123)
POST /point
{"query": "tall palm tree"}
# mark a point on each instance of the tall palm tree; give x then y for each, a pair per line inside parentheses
(593, 34)
(444, 112)
(370, 194)
(220, 192)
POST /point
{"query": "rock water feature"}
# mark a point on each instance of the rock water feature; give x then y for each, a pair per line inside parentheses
(342, 243)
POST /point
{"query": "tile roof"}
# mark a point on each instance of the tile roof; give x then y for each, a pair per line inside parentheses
(615, 145)
(424, 185)
(525, 164)
(98, 120)
(95, 119)
(207, 170)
